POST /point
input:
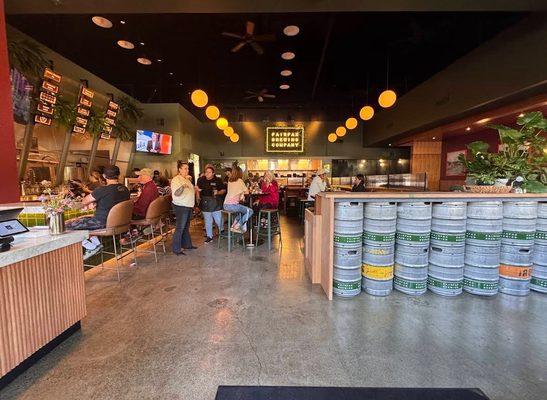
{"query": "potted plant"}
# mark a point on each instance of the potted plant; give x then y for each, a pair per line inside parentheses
(482, 169)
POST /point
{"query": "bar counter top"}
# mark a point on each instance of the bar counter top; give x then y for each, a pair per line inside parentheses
(432, 196)
(38, 242)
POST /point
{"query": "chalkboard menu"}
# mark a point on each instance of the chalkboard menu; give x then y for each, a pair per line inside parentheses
(285, 139)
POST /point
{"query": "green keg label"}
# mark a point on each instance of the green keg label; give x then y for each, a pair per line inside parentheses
(375, 237)
(476, 284)
(542, 235)
(539, 282)
(518, 235)
(354, 285)
(488, 236)
(448, 237)
(347, 239)
(416, 285)
(413, 237)
(442, 284)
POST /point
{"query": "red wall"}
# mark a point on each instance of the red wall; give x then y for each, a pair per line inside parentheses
(9, 190)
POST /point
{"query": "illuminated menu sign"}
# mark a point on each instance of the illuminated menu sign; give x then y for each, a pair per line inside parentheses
(47, 98)
(110, 119)
(285, 139)
(83, 109)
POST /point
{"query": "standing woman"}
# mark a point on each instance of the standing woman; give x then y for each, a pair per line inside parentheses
(183, 204)
(236, 193)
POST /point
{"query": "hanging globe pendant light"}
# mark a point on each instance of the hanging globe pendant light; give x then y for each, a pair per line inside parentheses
(199, 98)
(212, 112)
(340, 131)
(387, 98)
(366, 113)
(351, 123)
(332, 137)
(222, 123)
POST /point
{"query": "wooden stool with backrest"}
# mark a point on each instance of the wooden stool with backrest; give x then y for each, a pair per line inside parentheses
(152, 220)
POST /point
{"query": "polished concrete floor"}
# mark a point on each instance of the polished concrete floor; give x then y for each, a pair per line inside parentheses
(180, 328)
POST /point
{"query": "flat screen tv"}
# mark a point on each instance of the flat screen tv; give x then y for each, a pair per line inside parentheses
(154, 142)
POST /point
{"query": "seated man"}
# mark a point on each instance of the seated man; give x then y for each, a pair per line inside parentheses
(149, 193)
(104, 198)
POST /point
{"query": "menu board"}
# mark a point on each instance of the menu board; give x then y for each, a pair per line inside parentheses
(285, 139)
(110, 119)
(47, 98)
(85, 101)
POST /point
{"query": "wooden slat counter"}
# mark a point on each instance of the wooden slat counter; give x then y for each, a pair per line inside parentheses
(42, 294)
(320, 247)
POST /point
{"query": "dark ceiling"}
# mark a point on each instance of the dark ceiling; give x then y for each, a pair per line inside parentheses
(190, 46)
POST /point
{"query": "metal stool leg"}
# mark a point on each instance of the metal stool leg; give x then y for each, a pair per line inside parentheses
(116, 256)
(269, 231)
(162, 237)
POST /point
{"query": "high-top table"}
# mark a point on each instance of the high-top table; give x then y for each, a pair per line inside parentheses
(42, 296)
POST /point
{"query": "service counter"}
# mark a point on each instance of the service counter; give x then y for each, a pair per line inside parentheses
(319, 224)
(42, 296)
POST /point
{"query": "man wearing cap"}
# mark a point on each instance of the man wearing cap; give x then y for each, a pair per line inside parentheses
(318, 184)
(104, 197)
(149, 193)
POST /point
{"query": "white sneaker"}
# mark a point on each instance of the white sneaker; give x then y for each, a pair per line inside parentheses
(90, 253)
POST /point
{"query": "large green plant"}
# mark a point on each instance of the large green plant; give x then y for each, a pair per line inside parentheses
(129, 114)
(28, 58)
(479, 163)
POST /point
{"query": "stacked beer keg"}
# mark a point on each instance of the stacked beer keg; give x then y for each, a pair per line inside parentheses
(539, 258)
(412, 247)
(348, 233)
(378, 248)
(482, 247)
(517, 242)
(447, 250)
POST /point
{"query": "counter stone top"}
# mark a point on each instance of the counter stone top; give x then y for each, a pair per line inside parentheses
(37, 242)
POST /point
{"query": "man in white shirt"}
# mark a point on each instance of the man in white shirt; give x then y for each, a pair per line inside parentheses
(317, 185)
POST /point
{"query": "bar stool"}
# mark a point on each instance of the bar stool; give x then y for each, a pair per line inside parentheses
(117, 223)
(272, 229)
(227, 232)
(152, 220)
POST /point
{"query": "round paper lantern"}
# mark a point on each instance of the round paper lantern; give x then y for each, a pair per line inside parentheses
(229, 131)
(387, 98)
(340, 131)
(212, 112)
(351, 123)
(234, 138)
(332, 137)
(222, 123)
(199, 98)
(366, 113)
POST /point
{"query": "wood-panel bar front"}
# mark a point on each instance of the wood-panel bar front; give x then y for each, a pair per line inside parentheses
(40, 298)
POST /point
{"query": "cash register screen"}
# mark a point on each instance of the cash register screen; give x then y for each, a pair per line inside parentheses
(11, 227)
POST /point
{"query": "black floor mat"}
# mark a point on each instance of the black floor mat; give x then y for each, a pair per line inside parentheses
(338, 393)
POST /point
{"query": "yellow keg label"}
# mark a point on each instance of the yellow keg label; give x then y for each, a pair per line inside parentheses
(376, 272)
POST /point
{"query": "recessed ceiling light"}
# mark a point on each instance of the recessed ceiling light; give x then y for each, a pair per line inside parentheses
(521, 115)
(286, 72)
(170, 73)
(180, 84)
(288, 55)
(126, 44)
(291, 30)
(389, 144)
(122, 22)
(468, 128)
(141, 43)
(483, 121)
(144, 61)
(158, 60)
(102, 22)
(434, 137)
(284, 86)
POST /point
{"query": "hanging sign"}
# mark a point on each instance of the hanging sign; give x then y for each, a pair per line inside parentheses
(48, 97)
(52, 76)
(284, 139)
(110, 119)
(41, 119)
(83, 109)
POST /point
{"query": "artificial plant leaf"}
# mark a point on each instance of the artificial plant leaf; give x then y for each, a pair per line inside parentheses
(478, 147)
(534, 187)
(530, 119)
(507, 134)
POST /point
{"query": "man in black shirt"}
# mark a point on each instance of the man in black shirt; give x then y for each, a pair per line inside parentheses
(104, 197)
(210, 191)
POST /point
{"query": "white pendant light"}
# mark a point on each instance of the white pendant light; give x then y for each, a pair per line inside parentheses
(144, 61)
(286, 72)
(126, 44)
(291, 30)
(288, 55)
(102, 22)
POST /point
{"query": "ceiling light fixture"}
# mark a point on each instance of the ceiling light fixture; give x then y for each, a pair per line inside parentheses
(291, 30)
(351, 123)
(521, 115)
(144, 61)
(102, 22)
(332, 137)
(484, 120)
(170, 73)
(468, 128)
(284, 86)
(141, 43)
(387, 98)
(286, 72)
(212, 112)
(340, 131)
(229, 131)
(288, 55)
(222, 123)
(199, 98)
(159, 60)
(125, 44)
(122, 22)
(366, 113)
(434, 137)
(234, 138)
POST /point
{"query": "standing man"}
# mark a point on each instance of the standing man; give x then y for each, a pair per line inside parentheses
(317, 185)
(149, 193)
(210, 191)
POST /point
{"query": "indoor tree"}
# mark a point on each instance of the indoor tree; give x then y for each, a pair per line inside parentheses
(129, 114)
(28, 58)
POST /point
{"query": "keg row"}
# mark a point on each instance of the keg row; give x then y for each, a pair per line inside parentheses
(479, 247)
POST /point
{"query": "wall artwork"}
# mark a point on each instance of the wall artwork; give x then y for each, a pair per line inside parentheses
(453, 166)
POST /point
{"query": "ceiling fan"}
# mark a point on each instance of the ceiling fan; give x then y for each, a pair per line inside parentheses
(250, 38)
(259, 95)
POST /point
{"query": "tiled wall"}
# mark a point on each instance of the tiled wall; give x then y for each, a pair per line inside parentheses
(39, 219)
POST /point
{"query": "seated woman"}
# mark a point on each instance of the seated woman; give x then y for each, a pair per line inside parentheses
(270, 192)
(236, 193)
(358, 183)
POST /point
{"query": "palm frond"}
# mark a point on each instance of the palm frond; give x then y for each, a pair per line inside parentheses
(123, 131)
(96, 123)
(65, 112)
(129, 111)
(28, 58)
